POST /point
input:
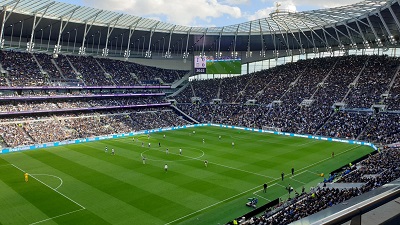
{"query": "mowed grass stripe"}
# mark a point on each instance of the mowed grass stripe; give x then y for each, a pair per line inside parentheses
(15, 209)
(141, 175)
(215, 194)
(209, 150)
(197, 184)
(156, 206)
(101, 208)
(70, 187)
(37, 194)
(206, 182)
(171, 141)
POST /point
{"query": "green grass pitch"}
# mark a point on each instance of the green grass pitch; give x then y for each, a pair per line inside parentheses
(224, 67)
(82, 184)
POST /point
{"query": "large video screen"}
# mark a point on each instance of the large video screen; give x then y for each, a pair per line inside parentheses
(221, 65)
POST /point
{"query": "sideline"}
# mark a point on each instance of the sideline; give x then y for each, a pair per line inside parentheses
(304, 169)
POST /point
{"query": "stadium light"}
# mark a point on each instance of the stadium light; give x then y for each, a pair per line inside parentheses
(234, 54)
(249, 54)
(127, 53)
(82, 50)
(341, 47)
(185, 55)
(167, 55)
(353, 46)
(289, 52)
(262, 53)
(302, 51)
(57, 49)
(147, 54)
(29, 46)
(392, 40)
(366, 44)
(379, 42)
(275, 53)
(104, 52)
(329, 49)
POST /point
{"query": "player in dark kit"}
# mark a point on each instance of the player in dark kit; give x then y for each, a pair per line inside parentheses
(292, 171)
(265, 186)
(282, 175)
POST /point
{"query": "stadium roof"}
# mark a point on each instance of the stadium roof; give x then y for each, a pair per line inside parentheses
(370, 22)
(278, 22)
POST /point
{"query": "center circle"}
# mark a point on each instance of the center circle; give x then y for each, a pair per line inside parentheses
(173, 155)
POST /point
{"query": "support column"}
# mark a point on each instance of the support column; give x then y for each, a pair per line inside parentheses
(82, 49)
(148, 52)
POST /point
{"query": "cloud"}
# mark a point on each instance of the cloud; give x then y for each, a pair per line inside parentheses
(175, 11)
(317, 4)
(263, 13)
(236, 2)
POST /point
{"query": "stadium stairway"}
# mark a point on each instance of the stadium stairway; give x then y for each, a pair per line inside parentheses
(179, 90)
(57, 67)
(177, 83)
(354, 83)
(181, 113)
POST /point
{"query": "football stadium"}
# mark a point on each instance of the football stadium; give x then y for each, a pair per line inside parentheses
(112, 118)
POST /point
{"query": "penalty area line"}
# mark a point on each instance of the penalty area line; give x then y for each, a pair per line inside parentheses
(49, 175)
(50, 187)
(41, 221)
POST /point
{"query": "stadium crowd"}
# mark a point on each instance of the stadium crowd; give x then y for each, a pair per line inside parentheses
(295, 97)
(57, 104)
(301, 97)
(39, 69)
(373, 172)
(65, 126)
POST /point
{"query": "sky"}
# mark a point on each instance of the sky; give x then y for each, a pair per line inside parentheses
(207, 13)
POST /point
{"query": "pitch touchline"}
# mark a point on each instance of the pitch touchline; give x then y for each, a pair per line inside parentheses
(234, 196)
(328, 158)
(50, 187)
(255, 193)
(297, 180)
(41, 221)
(217, 203)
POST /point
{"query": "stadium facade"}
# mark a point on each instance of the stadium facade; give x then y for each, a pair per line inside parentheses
(51, 26)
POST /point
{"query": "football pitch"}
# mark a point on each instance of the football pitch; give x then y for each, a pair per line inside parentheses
(84, 184)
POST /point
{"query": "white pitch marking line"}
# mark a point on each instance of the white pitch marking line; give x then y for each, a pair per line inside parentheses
(49, 175)
(233, 168)
(302, 169)
(297, 180)
(280, 185)
(5, 165)
(41, 221)
(50, 187)
(255, 193)
(234, 196)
